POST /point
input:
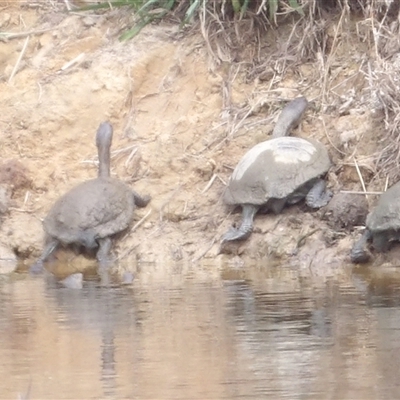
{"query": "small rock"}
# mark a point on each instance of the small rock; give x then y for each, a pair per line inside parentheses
(346, 210)
(127, 278)
(74, 281)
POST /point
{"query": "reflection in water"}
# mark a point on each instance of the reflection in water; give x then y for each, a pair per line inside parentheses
(272, 337)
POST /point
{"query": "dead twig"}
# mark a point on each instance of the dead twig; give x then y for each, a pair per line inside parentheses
(302, 238)
(360, 177)
(363, 193)
(17, 64)
(129, 159)
(140, 222)
(125, 253)
(202, 254)
(209, 184)
(77, 60)
(21, 210)
(11, 35)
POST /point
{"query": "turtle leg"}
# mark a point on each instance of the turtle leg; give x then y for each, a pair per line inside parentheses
(246, 227)
(380, 242)
(318, 196)
(103, 254)
(141, 201)
(51, 245)
(104, 260)
(359, 253)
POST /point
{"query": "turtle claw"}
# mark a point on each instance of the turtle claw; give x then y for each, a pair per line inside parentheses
(246, 227)
(38, 266)
(235, 234)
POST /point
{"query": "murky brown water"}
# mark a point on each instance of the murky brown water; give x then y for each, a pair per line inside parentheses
(244, 336)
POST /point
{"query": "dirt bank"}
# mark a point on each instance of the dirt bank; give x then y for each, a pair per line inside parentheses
(180, 127)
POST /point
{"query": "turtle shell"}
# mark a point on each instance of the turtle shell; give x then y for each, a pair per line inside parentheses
(97, 208)
(276, 168)
(385, 215)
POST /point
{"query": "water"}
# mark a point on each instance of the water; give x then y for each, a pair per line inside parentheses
(242, 336)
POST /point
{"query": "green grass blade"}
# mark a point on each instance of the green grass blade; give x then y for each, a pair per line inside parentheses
(143, 21)
(297, 7)
(236, 6)
(170, 4)
(106, 5)
(273, 8)
(147, 4)
(244, 8)
(191, 11)
(131, 33)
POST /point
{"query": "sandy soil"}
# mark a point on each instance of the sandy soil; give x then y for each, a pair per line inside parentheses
(180, 126)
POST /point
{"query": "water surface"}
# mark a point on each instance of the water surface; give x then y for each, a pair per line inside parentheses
(240, 336)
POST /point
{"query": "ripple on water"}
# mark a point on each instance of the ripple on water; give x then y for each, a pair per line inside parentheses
(251, 334)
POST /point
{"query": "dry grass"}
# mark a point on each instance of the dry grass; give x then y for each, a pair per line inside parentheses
(321, 35)
(240, 39)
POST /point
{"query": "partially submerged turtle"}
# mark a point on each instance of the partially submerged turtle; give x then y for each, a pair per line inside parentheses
(382, 226)
(278, 172)
(92, 212)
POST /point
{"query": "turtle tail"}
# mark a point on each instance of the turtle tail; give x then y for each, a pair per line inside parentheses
(141, 201)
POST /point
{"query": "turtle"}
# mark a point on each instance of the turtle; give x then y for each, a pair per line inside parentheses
(91, 213)
(278, 172)
(382, 226)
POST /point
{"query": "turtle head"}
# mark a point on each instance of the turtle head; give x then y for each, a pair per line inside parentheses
(104, 135)
(103, 142)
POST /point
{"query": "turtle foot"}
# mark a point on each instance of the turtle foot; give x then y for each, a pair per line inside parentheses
(318, 196)
(38, 266)
(358, 256)
(359, 253)
(235, 234)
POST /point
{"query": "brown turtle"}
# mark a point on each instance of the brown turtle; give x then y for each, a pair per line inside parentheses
(92, 212)
(278, 172)
(382, 226)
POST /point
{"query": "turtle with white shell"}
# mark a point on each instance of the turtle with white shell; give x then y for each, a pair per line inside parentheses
(278, 172)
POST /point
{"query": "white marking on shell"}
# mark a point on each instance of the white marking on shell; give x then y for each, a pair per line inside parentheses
(285, 150)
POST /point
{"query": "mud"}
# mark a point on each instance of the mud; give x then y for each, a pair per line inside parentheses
(180, 127)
